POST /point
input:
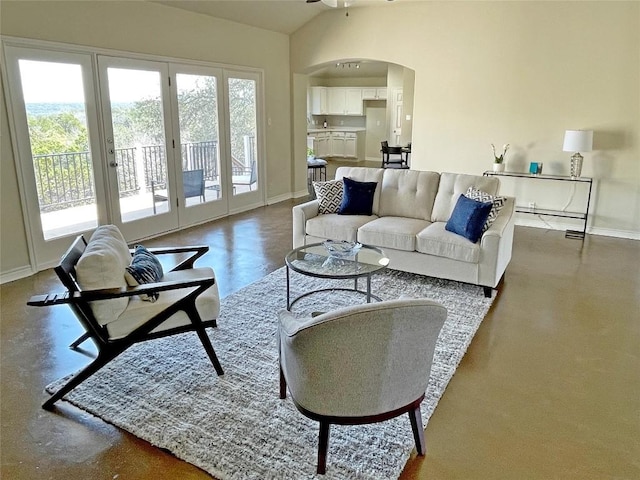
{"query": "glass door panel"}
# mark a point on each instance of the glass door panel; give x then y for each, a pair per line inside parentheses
(54, 122)
(197, 97)
(137, 121)
(135, 98)
(58, 134)
(242, 96)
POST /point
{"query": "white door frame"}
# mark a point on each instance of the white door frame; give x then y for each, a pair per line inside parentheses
(46, 253)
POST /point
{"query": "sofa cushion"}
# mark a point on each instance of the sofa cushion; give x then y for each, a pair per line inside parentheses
(357, 197)
(364, 174)
(468, 218)
(452, 185)
(329, 195)
(392, 232)
(435, 240)
(496, 201)
(337, 227)
(144, 268)
(408, 193)
(102, 265)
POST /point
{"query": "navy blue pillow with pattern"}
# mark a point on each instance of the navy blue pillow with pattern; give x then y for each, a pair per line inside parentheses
(144, 268)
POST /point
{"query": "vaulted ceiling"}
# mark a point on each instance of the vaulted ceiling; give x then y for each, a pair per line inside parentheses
(284, 16)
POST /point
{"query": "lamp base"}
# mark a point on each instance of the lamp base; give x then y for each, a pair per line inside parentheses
(576, 165)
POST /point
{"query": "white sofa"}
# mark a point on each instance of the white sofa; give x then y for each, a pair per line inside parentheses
(409, 214)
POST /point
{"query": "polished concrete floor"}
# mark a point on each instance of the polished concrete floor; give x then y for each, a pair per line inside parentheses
(549, 388)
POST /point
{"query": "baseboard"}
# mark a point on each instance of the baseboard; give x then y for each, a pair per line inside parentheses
(16, 274)
(562, 226)
(286, 196)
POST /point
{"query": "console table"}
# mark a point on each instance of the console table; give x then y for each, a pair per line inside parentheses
(553, 213)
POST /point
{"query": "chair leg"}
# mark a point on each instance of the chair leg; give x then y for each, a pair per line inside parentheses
(206, 343)
(418, 430)
(323, 443)
(488, 291)
(89, 370)
(283, 385)
(76, 343)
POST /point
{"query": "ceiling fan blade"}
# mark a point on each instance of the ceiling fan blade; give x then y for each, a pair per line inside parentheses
(312, 1)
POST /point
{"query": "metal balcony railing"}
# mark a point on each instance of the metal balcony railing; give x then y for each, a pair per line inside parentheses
(65, 180)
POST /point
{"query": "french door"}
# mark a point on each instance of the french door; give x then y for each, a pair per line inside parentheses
(150, 146)
(57, 147)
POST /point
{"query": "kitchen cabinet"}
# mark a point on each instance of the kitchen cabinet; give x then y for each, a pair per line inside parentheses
(321, 145)
(344, 101)
(374, 93)
(351, 145)
(339, 144)
(318, 100)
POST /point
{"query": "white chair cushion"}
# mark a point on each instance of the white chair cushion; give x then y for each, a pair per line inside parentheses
(435, 240)
(337, 227)
(392, 232)
(102, 265)
(452, 185)
(139, 311)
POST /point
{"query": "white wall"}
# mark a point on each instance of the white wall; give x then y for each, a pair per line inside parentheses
(149, 28)
(509, 72)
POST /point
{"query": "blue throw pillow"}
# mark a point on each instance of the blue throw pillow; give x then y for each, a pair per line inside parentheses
(144, 268)
(357, 197)
(468, 218)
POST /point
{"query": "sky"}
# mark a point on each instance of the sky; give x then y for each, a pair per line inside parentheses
(49, 82)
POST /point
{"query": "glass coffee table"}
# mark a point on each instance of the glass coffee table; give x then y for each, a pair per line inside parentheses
(315, 261)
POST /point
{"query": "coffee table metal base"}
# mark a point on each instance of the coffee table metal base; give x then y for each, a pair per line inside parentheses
(355, 289)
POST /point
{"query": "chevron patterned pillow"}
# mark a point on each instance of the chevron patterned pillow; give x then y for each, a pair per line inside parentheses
(329, 195)
(484, 197)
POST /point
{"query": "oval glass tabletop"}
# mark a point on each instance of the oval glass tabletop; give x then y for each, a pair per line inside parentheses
(314, 260)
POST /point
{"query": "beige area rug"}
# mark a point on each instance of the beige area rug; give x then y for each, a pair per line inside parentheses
(235, 426)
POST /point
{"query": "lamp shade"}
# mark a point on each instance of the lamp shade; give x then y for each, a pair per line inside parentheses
(578, 141)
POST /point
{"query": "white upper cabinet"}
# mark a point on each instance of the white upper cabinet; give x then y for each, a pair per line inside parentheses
(378, 93)
(318, 100)
(344, 101)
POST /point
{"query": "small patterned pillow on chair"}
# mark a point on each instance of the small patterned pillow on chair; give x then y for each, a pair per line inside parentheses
(144, 268)
(329, 195)
(484, 197)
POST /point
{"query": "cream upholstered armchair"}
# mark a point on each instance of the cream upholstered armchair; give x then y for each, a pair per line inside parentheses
(360, 364)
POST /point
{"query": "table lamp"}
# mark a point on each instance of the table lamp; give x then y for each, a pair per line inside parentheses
(577, 141)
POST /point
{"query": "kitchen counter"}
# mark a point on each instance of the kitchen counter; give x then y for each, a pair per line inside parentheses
(336, 129)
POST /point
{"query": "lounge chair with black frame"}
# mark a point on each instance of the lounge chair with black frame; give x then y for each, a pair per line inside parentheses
(113, 314)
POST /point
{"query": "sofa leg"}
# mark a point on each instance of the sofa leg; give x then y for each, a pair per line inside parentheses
(487, 292)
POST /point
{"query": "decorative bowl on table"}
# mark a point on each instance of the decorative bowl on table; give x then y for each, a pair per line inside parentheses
(341, 248)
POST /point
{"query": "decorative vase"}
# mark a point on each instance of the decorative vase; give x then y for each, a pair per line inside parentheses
(498, 167)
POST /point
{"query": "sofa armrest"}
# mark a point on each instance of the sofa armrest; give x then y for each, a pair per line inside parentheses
(496, 246)
(302, 213)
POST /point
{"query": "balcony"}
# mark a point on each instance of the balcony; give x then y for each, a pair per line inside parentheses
(66, 192)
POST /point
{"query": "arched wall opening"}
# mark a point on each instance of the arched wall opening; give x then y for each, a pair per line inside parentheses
(386, 107)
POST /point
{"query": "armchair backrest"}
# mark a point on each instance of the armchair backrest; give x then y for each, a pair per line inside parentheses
(362, 360)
